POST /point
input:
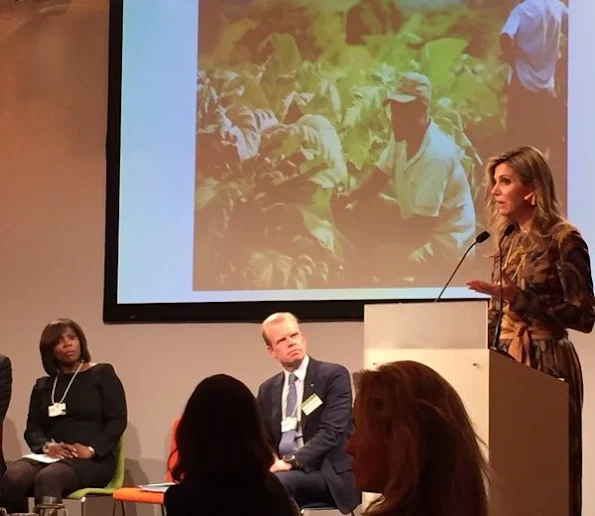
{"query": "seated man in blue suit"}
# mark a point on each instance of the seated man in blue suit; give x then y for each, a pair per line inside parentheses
(307, 412)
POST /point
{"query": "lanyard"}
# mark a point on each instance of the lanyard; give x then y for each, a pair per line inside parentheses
(67, 388)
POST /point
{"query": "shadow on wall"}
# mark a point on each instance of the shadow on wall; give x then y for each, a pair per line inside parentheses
(11, 441)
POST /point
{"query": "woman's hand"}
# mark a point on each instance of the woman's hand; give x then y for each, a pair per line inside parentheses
(59, 451)
(82, 451)
(509, 288)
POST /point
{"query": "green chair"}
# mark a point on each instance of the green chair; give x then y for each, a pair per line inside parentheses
(115, 483)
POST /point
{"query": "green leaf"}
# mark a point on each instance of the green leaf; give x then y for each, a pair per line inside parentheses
(393, 49)
(385, 73)
(269, 269)
(281, 94)
(366, 101)
(315, 138)
(265, 119)
(285, 57)
(252, 94)
(327, 32)
(210, 190)
(326, 233)
(331, 5)
(214, 204)
(225, 82)
(438, 58)
(414, 23)
(357, 142)
(326, 100)
(282, 64)
(412, 39)
(281, 141)
(206, 104)
(476, 93)
(355, 59)
(205, 192)
(245, 129)
(232, 33)
(320, 136)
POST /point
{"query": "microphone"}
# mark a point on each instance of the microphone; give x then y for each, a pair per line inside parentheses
(509, 229)
(482, 237)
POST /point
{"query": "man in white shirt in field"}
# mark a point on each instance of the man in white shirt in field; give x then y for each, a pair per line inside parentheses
(531, 45)
(420, 172)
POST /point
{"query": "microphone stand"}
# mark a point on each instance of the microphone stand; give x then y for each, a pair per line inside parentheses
(482, 237)
(455, 271)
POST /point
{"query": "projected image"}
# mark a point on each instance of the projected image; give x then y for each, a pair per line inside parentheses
(341, 143)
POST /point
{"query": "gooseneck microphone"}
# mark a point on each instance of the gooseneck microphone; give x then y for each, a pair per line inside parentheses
(507, 232)
(482, 237)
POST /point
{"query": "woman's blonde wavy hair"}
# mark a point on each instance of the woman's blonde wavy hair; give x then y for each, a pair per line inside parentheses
(532, 167)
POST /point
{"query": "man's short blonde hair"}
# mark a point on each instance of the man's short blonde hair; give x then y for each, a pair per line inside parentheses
(275, 318)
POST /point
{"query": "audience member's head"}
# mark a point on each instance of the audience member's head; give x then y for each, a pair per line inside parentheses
(414, 444)
(284, 339)
(62, 344)
(221, 434)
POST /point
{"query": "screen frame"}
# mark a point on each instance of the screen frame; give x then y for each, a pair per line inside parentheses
(244, 311)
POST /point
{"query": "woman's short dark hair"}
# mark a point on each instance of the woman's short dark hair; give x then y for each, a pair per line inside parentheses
(51, 335)
(221, 433)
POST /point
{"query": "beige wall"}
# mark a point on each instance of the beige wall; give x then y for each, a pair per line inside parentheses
(53, 78)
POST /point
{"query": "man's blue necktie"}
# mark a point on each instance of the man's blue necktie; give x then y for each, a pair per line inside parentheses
(287, 443)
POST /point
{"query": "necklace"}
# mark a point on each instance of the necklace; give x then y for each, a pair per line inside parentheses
(67, 388)
(521, 265)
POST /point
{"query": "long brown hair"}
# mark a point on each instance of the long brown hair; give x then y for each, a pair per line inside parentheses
(434, 460)
(532, 168)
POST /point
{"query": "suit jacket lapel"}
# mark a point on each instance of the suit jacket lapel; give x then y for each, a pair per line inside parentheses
(309, 388)
(276, 408)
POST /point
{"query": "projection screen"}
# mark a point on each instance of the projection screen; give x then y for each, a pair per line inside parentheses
(314, 155)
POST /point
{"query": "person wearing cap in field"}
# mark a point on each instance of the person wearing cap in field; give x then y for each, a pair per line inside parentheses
(420, 172)
(531, 41)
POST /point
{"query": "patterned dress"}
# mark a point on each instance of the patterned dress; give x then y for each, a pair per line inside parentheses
(555, 294)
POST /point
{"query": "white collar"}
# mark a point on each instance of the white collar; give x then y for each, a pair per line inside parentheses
(430, 131)
(300, 372)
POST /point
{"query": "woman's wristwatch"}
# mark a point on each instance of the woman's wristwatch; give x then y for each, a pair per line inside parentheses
(46, 447)
(92, 450)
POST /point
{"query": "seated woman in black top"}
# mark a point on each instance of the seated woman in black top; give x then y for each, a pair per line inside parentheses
(77, 414)
(223, 456)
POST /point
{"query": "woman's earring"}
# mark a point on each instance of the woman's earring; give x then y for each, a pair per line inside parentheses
(531, 199)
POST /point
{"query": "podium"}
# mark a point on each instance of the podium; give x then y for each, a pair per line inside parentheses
(520, 414)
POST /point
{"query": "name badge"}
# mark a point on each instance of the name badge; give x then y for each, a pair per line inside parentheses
(288, 424)
(311, 404)
(57, 409)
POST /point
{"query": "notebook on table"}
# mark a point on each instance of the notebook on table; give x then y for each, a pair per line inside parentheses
(156, 488)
